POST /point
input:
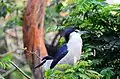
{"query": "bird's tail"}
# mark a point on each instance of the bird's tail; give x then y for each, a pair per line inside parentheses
(40, 64)
(44, 60)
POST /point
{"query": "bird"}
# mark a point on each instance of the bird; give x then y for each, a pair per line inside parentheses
(68, 53)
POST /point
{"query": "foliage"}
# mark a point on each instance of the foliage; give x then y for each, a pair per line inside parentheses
(81, 70)
(4, 61)
(101, 20)
(1, 77)
(11, 12)
(107, 73)
(7, 9)
(101, 46)
(7, 66)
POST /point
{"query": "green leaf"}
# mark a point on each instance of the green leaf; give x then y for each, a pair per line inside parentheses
(7, 58)
(70, 71)
(58, 7)
(3, 11)
(83, 64)
(84, 76)
(101, 0)
(63, 66)
(107, 72)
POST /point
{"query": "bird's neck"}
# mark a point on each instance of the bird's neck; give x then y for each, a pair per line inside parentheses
(75, 36)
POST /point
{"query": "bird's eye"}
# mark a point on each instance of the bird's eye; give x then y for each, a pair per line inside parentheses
(77, 31)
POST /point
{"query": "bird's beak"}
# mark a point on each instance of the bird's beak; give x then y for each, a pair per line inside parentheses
(83, 32)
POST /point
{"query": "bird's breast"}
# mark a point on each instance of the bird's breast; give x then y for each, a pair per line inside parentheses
(74, 51)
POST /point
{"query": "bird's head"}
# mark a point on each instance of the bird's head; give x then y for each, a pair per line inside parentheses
(80, 32)
(72, 31)
(67, 32)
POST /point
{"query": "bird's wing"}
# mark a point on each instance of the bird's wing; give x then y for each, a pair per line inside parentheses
(61, 53)
(62, 50)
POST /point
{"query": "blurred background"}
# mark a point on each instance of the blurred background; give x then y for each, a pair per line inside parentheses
(101, 49)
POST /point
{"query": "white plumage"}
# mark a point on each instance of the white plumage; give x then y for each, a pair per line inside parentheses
(69, 53)
(74, 49)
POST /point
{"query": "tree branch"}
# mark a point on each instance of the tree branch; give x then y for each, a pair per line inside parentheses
(20, 70)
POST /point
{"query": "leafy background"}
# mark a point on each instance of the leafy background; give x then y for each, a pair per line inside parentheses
(101, 49)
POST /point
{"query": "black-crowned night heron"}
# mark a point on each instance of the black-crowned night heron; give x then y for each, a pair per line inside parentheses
(69, 53)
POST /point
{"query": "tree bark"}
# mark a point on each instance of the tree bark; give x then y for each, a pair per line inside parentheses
(33, 35)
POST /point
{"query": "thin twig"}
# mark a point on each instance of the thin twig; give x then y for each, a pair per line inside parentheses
(14, 51)
(19, 69)
(9, 72)
(36, 55)
(3, 55)
(1, 77)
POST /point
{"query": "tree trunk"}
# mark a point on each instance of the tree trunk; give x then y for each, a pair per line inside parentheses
(33, 35)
